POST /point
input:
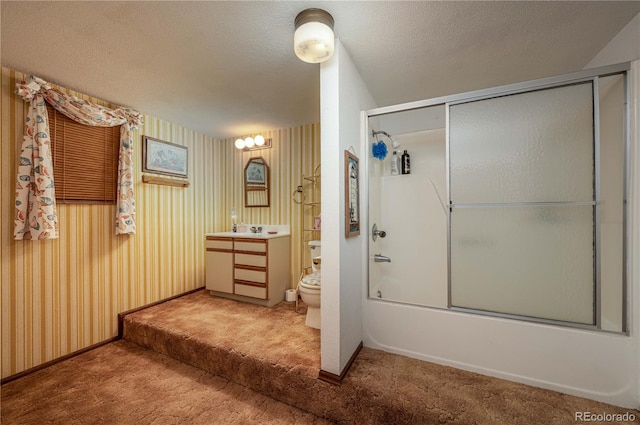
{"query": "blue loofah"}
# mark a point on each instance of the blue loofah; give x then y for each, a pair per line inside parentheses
(379, 150)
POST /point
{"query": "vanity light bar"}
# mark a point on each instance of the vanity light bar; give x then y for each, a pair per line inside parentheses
(252, 144)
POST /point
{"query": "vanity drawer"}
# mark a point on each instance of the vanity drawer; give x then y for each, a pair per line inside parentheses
(251, 260)
(213, 242)
(251, 245)
(251, 291)
(251, 275)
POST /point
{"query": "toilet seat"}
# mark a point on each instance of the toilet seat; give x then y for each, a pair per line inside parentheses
(311, 281)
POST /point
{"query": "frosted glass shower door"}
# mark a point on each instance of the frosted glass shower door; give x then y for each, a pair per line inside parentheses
(522, 227)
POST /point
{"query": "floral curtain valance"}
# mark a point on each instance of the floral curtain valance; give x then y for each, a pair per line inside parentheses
(35, 215)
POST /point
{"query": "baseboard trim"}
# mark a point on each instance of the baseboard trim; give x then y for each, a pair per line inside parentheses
(122, 315)
(58, 360)
(94, 346)
(334, 379)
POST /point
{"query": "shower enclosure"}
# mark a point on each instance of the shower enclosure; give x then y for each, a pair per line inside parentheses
(515, 205)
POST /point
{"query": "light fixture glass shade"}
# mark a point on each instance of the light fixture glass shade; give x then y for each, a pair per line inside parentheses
(259, 140)
(248, 142)
(313, 40)
(240, 144)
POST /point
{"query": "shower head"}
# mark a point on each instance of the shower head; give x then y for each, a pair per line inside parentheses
(394, 143)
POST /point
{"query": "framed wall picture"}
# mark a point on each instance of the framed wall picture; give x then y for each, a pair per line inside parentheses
(351, 194)
(161, 157)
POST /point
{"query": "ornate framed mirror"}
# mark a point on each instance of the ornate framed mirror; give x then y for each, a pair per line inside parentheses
(256, 183)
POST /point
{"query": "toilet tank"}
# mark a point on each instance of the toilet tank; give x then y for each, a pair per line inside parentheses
(314, 254)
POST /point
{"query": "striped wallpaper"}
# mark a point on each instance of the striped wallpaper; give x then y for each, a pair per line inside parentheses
(295, 154)
(59, 296)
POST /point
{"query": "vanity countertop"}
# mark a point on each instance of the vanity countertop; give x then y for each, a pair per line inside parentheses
(263, 235)
(282, 229)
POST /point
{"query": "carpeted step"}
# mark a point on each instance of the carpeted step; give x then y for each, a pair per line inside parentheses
(268, 350)
(271, 351)
(122, 383)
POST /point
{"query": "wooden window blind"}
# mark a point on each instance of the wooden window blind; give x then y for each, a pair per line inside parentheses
(85, 160)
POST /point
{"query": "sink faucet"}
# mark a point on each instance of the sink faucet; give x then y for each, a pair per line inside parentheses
(255, 229)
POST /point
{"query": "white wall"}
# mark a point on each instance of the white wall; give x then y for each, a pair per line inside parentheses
(623, 47)
(343, 96)
(596, 365)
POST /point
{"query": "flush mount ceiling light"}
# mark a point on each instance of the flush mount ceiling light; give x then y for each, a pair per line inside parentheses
(313, 40)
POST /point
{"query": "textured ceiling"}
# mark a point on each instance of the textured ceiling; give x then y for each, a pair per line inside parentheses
(228, 68)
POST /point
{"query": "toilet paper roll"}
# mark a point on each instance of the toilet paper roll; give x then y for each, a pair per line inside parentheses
(291, 294)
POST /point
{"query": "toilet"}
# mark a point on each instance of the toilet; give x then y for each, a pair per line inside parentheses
(309, 287)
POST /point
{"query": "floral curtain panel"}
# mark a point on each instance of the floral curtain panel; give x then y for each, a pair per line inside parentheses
(35, 215)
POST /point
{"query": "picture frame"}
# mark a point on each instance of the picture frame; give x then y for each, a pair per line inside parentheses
(160, 157)
(256, 183)
(351, 195)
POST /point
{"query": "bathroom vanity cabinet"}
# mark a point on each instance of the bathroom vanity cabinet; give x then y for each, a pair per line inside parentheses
(253, 268)
(219, 264)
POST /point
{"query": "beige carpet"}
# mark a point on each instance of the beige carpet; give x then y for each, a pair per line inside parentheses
(272, 352)
(122, 383)
(259, 355)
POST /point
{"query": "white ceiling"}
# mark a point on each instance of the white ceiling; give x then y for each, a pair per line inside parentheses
(228, 68)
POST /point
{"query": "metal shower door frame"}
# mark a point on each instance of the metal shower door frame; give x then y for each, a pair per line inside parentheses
(592, 75)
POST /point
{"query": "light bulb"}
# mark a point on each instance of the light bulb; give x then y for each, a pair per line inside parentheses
(248, 142)
(240, 144)
(259, 140)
